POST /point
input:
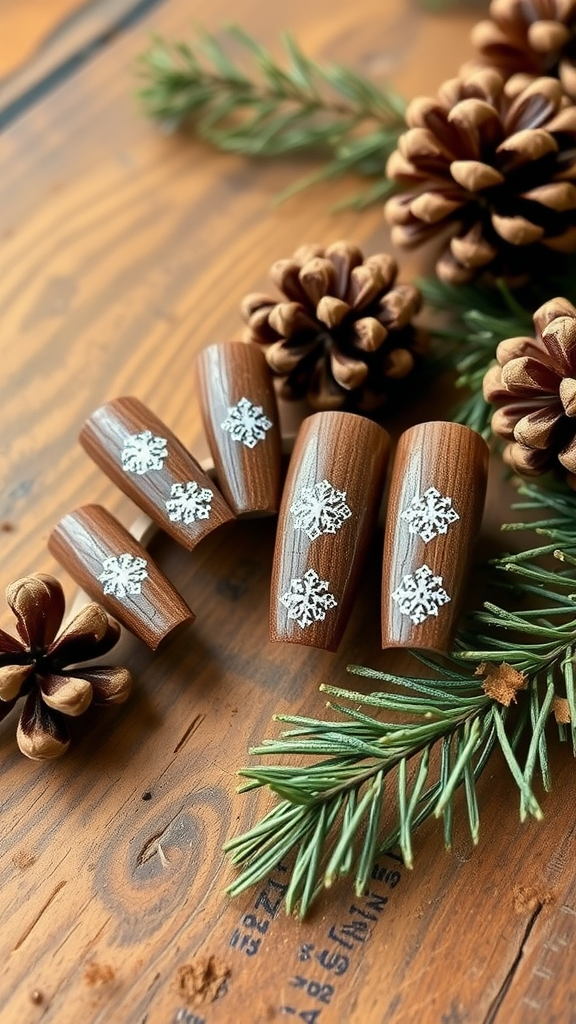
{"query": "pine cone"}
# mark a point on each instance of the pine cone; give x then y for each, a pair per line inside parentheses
(342, 333)
(34, 667)
(534, 386)
(489, 167)
(535, 38)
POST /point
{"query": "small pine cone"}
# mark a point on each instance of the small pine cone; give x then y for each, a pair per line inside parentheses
(534, 387)
(489, 167)
(535, 38)
(342, 333)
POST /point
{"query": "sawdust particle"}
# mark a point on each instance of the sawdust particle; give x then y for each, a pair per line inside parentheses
(201, 981)
(528, 897)
(501, 682)
(22, 859)
(98, 974)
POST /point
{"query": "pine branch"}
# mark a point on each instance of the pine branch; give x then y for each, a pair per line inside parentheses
(478, 318)
(325, 110)
(428, 736)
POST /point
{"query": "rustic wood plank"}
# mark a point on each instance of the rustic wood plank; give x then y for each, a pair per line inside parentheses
(26, 24)
(50, 41)
(124, 254)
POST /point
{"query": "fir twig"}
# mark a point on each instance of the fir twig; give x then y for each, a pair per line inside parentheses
(271, 109)
(433, 735)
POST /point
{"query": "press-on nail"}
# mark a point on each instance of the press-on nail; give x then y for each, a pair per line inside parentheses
(327, 517)
(116, 571)
(146, 461)
(241, 424)
(435, 507)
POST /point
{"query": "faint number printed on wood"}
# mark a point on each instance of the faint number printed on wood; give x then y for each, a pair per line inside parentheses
(420, 594)
(246, 423)
(320, 509)
(430, 514)
(144, 452)
(308, 599)
(123, 574)
(188, 502)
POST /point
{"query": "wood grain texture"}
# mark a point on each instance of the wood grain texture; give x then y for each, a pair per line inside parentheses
(240, 416)
(86, 542)
(49, 40)
(155, 490)
(423, 555)
(123, 254)
(338, 464)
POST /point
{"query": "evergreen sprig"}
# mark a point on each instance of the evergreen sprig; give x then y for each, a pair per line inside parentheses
(477, 317)
(272, 109)
(435, 734)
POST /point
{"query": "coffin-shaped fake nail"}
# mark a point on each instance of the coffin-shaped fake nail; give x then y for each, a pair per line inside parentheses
(116, 571)
(241, 423)
(146, 461)
(435, 506)
(327, 517)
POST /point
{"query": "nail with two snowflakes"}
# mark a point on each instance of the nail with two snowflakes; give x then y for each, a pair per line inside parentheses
(114, 569)
(435, 506)
(146, 461)
(327, 518)
(241, 423)
(34, 666)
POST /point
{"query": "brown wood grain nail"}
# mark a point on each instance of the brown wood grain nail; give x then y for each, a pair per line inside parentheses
(240, 417)
(116, 571)
(327, 516)
(435, 506)
(146, 461)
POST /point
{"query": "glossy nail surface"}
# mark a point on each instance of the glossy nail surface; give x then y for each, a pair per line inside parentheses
(146, 461)
(116, 571)
(434, 512)
(328, 514)
(241, 423)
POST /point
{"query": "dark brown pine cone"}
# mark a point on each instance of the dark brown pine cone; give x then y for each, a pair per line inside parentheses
(534, 386)
(535, 38)
(489, 169)
(342, 332)
(36, 666)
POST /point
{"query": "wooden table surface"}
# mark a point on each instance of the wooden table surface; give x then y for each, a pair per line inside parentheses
(124, 252)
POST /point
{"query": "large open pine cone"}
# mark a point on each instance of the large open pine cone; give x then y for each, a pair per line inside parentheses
(534, 385)
(536, 38)
(342, 332)
(489, 167)
(36, 666)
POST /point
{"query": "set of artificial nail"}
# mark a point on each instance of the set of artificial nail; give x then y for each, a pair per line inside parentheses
(328, 510)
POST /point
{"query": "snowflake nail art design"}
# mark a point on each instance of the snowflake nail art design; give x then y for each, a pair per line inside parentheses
(123, 574)
(308, 599)
(247, 423)
(188, 502)
(420, 594)
(430, 514)
(143, 452)
(320, 509)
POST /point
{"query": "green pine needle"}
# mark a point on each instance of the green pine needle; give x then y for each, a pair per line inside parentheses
(432, 735)
(258, 107)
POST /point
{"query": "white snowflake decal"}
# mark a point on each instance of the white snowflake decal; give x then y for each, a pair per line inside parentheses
(188, 502)
(320, 509)
(123, 574)
(143, 452)
(420, 594)
(307, 600)
(429, 514)
(247, 423)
